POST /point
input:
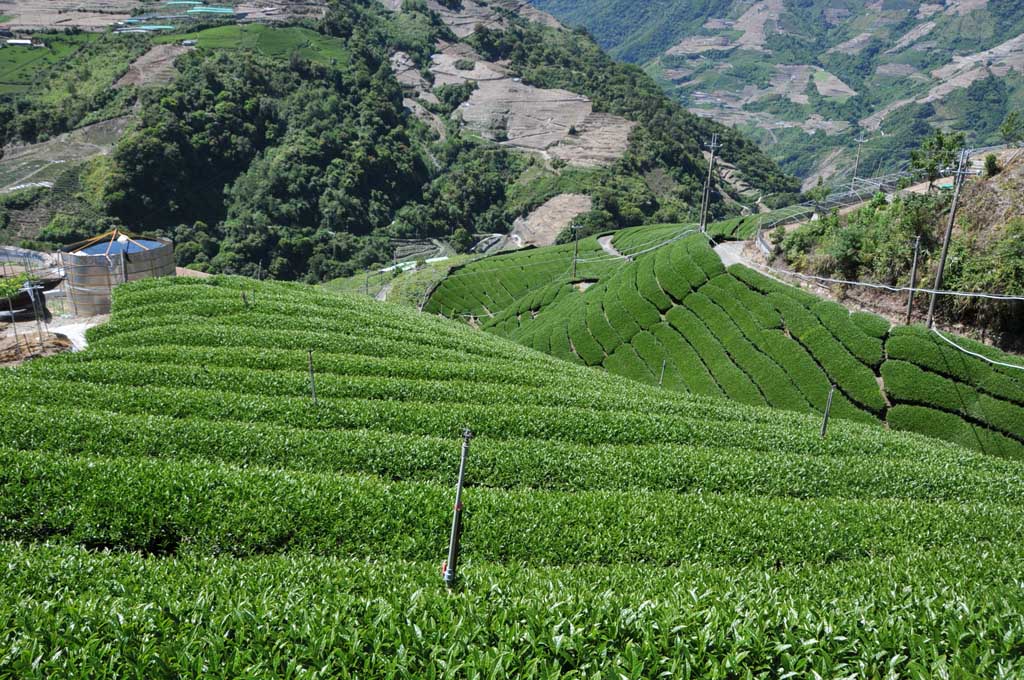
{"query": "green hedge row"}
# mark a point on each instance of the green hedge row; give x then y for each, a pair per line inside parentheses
(872, 324)
(778, 390)
(767, 286)
(932, 472)
(625, 361)
(684, 265)
(855, 379)
(619, 315)
(907, 382)
(703, 256)
(733, 382)
(643, 312)
(798, 319)
(202, 508)
(805, 373)
(647, 283)
(587, 347)
(300, 615)
(651, 352)
(836, 319)
(952, 428)
(671, 277)
(598, 325)
(756, 304)
(920, 346)
(692, 371)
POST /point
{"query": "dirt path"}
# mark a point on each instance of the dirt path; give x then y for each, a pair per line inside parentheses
(382, 295)
(731, 252)
(606, 245)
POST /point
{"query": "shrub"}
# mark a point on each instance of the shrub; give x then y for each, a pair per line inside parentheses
(734, 382)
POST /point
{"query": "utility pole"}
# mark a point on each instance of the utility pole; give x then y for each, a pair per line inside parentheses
(575, 247)
(958, 183)
(451, 566)
(714, 146)
(856, 166)
(913, 279)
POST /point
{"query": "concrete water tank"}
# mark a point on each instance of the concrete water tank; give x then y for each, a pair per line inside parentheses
(95, 267)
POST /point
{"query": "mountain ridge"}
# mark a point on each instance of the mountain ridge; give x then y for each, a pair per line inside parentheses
(815, 76)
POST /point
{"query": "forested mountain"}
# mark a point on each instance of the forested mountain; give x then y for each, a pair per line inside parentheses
(304, 148)
(807, 78)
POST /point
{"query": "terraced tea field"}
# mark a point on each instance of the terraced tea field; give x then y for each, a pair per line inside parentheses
(676, 316)
(172, 503)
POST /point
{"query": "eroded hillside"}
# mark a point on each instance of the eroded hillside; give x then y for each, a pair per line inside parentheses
(807, 79)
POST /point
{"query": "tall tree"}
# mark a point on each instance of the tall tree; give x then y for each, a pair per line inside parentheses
(935, 154)
(1012, 129)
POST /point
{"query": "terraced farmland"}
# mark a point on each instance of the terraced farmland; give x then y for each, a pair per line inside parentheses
(487, 286)
(677, 317)
(173, 504)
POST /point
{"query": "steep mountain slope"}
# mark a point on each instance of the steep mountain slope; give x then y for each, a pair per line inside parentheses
(875, 244)
(302, 150)
(173, 503)
(668, 312)
(808, 77)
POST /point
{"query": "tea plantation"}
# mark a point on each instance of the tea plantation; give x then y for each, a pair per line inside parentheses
(173, 503)
(676, 316)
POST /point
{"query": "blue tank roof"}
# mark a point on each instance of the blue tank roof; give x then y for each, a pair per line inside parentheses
(117, 247)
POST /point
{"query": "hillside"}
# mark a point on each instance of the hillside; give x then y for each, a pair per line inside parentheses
(658, 305)
(172, 501)
(807, 79)
(874, 244)
(304, 145)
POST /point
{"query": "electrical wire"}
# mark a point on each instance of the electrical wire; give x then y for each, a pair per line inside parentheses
(882, 286)
(976, 355)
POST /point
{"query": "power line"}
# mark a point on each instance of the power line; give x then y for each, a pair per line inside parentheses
(975, 354)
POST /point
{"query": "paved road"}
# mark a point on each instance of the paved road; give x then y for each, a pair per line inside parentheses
(606, 245)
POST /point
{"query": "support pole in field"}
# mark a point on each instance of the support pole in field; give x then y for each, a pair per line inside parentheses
(366, 284)
(661, 378)
(35, 312)
(451, 565)
(14, 325)
(312, 378)
(575, 247)
(245, 300)
(913, 280)
(958, 183)
(828, 411)
(705, 203)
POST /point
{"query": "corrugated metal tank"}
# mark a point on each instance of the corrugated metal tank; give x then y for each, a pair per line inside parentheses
(94, 270)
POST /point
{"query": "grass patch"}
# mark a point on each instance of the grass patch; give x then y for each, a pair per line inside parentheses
(279, 43)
